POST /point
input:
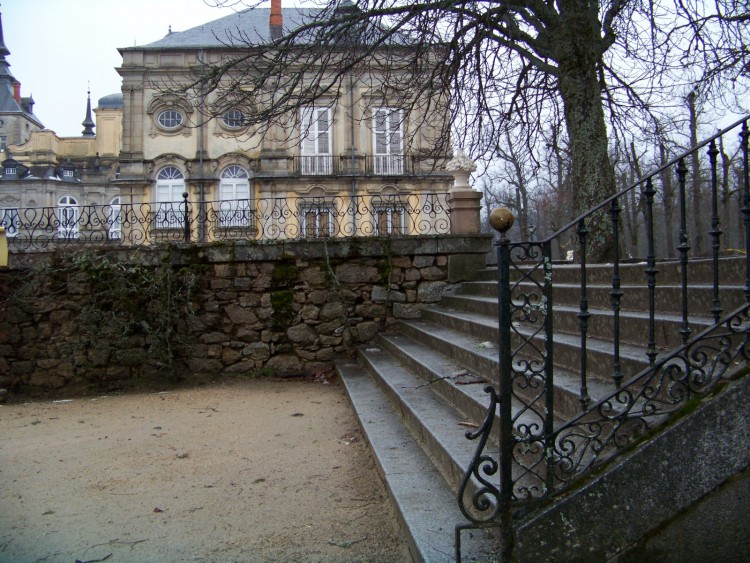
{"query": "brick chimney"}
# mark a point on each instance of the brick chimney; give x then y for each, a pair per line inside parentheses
(276, 20)
(17, 90)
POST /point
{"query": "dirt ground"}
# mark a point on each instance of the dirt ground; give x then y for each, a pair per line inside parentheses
(258, 470)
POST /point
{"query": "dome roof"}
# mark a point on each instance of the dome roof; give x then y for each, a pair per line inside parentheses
(112, 101)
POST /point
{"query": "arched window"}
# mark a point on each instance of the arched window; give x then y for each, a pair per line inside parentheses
(170, 185)
(67, 214)
(234, 193)
(115, 219)
(9, 220)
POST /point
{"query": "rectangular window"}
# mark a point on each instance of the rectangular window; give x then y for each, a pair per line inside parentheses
(316, 222)
(388, 141)
(389, 220)
(236, 208)
(9, 220)
(316, 152)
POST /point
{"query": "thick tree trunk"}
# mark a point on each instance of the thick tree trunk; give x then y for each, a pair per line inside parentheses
(592, 175)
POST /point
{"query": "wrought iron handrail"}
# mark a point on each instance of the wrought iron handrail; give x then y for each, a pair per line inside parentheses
(539, 454)
(137, 224)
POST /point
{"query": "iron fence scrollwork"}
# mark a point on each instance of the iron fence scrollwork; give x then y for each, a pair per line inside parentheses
(255, 219)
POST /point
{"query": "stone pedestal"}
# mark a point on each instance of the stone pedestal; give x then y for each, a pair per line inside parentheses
(465, 206)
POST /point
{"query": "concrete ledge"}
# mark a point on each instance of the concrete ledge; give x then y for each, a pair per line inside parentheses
(648, 488)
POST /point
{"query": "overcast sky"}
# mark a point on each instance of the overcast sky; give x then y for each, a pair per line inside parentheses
(58, 47)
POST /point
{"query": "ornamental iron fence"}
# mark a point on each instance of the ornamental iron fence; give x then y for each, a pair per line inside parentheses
(136, 224)
(540, 452)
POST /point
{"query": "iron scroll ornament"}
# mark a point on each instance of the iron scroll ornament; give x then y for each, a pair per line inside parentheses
(486, 498)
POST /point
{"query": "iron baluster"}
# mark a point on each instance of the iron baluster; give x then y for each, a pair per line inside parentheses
(506, 393)
(186, 217)
(715, 232)
(651, 270)
(583, 314)
(616, 292)
(744, 136)
(549, 418)
(683, 249)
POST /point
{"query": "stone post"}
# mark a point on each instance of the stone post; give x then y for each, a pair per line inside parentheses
(463, 201)
(464, 204)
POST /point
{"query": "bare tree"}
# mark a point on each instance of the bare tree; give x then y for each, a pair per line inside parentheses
(594, 65)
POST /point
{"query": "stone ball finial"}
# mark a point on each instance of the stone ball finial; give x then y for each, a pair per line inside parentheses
(502, 219)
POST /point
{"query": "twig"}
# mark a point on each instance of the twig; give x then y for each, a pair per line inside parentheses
(95, 560)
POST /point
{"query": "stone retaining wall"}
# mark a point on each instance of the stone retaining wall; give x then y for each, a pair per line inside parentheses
(279, 309)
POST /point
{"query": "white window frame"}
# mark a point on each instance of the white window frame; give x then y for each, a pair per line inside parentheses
(68, 214)
(316, 146)
(170, 185)
(114, 232)
(233, 118)
(170, 116)
(388, 141)
(316, 221)
(9, 220)
(236, 207)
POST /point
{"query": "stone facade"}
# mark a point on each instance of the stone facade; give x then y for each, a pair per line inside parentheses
(277, 309)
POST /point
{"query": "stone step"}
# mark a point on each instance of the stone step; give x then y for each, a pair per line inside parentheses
(480, 357)
(667, 299)
(731, 270)
(450, 380)
(426, 504)
(633, 324)
(567, 346)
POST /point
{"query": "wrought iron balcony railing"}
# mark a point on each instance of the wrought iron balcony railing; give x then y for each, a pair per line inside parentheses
(136, 224)
(369, 165)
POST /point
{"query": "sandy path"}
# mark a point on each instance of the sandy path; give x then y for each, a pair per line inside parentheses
(250, 471)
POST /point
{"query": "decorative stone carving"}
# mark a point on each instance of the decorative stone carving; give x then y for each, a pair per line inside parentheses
(461, 166)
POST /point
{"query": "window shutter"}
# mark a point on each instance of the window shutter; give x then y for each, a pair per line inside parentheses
(394, 131)
(380, 120)
(323, 124)
(308, 131)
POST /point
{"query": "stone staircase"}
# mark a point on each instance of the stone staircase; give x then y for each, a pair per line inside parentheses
(418, 388)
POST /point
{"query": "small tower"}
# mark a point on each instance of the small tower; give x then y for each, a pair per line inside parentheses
(88, 123)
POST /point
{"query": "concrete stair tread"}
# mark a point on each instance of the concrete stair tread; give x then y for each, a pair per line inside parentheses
(640, 315)
(421, 406)
(448, 340)
(463, 382)
(427, 507)
(626, 350)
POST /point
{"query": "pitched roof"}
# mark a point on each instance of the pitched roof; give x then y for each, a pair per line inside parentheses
(250, 25)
